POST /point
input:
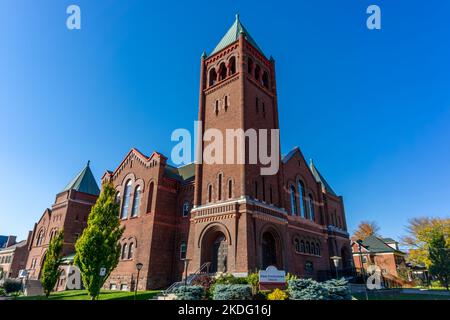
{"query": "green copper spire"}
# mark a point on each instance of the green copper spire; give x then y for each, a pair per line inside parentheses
(84, 182)
(232, 36)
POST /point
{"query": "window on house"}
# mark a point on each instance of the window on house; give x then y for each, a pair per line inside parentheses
(309, 267)
(317, 249)
(130, 251)
(257, 73)
(308, 247)
(186, 208)
(311, 208)
(216, 107)
(210, 193)
(136, 201)
(126, 200)
(297, 245)
(112, 286)
(226, 103)
(219, 187)
(313, 248)
(293, 200)
(150, 197)
(183, 249)
(301, 197)
(124, 251)
(230, 189)
(124, 287)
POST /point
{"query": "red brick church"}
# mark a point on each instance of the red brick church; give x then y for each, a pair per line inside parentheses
(229, 217)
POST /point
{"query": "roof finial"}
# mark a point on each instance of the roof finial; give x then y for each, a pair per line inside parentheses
(88, 163)
(237, 16)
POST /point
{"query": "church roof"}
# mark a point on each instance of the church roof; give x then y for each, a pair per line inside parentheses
(232, 36)
(183, 174)
(375, 244)
(320, 178)
(84, 182)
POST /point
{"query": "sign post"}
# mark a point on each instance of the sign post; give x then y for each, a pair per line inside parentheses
(272, 278)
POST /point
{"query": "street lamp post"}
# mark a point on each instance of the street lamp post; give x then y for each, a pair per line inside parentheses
(138, 267)
(336, 260)
(359, 242)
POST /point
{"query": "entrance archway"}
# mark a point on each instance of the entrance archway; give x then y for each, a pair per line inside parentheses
(271, 250)
(214, 248)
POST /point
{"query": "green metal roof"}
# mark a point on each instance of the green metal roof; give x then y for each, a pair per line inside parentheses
(84, 182)
(377, 245)
(183, 174)
(232, 36)
(320, 178)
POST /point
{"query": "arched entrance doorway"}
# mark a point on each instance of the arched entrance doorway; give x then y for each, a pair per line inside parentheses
(271, 250)
(214, 249)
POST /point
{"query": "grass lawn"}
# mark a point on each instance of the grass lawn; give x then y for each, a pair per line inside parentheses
(104, 295)
(401, 296)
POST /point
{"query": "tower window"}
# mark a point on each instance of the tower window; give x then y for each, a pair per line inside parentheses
(130, 251)
(186, 208)
(212, 77)
(150, 197)
(301, 197)
(250, 66)
(222, 71)
(216, 107)
(230, 189)
(257, 73)
(232, 66)
(183, 249)
(265, 79)
(311, 208)
(226, 103)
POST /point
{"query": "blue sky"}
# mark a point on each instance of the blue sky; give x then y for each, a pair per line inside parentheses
(372, 108)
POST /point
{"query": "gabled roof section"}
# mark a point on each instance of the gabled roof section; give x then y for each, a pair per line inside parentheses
(291, 153)
(376, 245)
(232, 36)
(321, 179)
(183, 174)
(84, 182)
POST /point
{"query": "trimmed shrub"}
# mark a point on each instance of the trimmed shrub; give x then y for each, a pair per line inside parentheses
(206, 282)
(253, 280)
(225, 279)
(12, 286)
(338, 289)
(277, 294)
(307, 289)
(232, 292)
(189, 292)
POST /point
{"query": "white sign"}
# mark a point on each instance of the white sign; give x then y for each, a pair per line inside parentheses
(272, 275)
(23, 273)
(102, 272)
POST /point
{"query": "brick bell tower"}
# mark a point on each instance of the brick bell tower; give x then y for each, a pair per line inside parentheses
(237, 91)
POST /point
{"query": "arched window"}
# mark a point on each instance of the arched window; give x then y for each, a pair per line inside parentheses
(40, 237)
(216, 107)
(130, 250)
(212, 77)
(226, 103)
(210, 193)
(250, 66)
(219, 187)
(186, 208)
(301, 197)
(230, 189)
(150, 197)
(293, 200)
(297, 245)
(313, 248)
(257, 73)
(136, 201)
(232, 66)
(302, 246)
(308, 247)
(265, 79)
(222, 71)
(126, 200)
(311, 208)
(124, 251)
(317, 249)
(183, 249)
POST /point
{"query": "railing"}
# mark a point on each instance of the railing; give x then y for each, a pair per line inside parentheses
(189, 279)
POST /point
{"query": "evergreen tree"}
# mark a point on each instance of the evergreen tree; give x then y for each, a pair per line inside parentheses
(98, 247)
(50, 269)
(439, 253)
